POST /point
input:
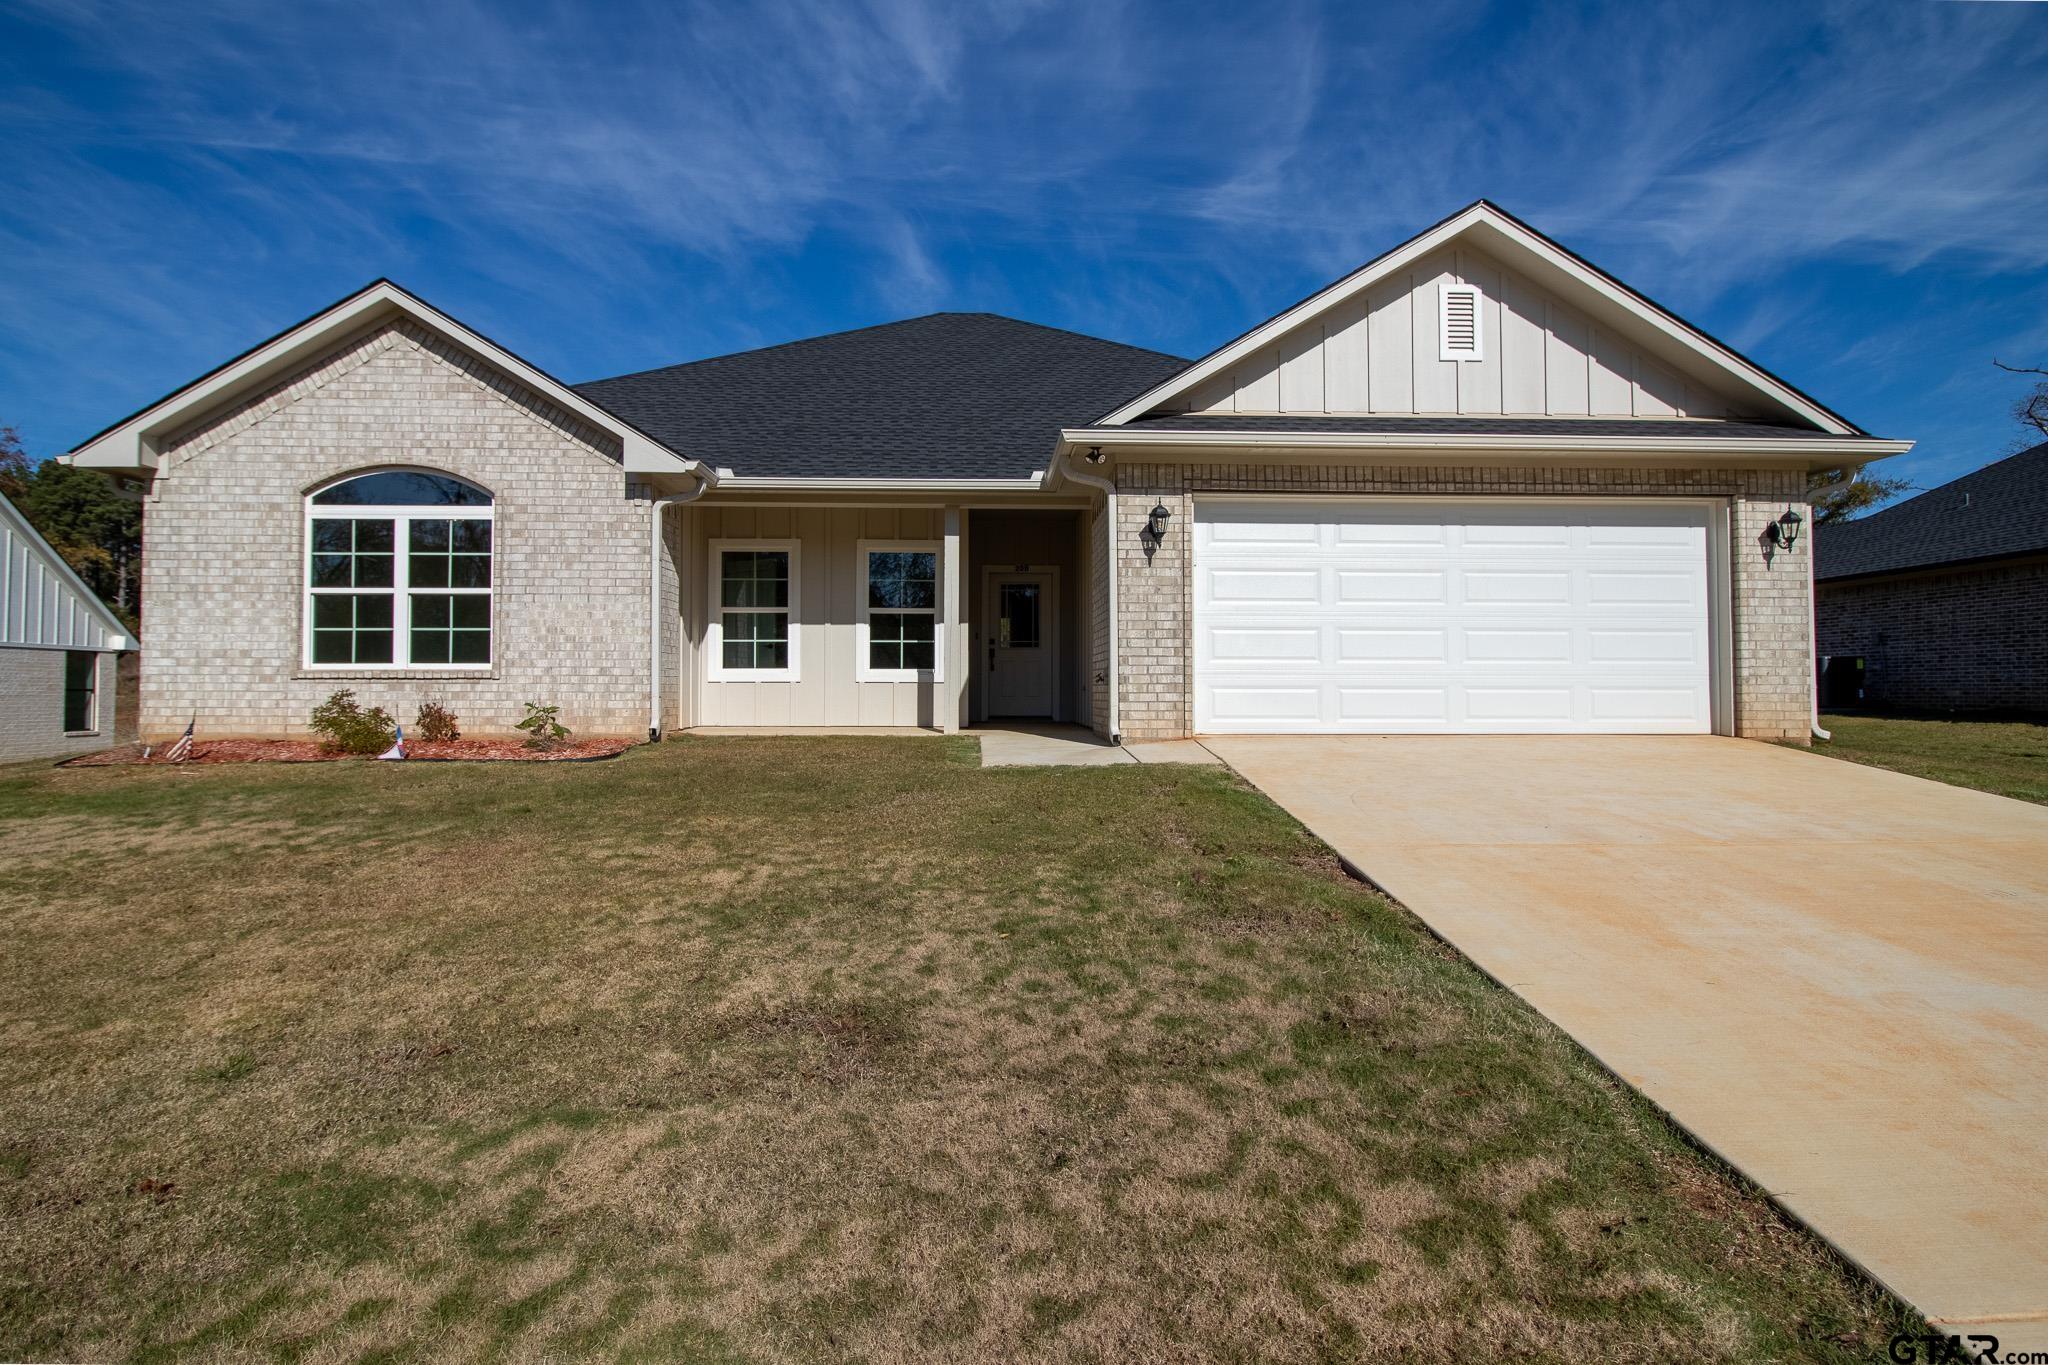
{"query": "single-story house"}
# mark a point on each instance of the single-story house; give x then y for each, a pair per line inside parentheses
(59, 650)
(1945, 596)
(1476, 485)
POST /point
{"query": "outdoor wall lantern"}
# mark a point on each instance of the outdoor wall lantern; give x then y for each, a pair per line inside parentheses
(1160, 516)
(1785, 530)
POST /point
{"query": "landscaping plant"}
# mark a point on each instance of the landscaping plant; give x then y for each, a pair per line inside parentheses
(543, 726)
(345, 727)
(435, 723)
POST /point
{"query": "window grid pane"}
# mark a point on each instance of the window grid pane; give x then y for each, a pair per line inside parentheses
(754, 639)
(352, 628)
(754, 578)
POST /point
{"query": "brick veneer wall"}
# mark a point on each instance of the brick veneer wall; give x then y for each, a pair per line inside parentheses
(1973, 639)
(32, 705)
(223, 543)
(1156, 592)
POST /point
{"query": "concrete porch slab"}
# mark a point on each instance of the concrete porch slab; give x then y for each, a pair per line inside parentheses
(1031, 744)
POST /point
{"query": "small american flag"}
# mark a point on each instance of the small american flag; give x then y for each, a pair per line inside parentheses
(182, 750)
(397, 750)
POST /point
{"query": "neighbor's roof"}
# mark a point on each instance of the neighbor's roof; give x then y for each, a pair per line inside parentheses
(945, 396)
(1999, 511)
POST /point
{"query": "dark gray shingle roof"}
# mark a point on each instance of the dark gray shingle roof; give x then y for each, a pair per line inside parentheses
(1390, 424)
(946, 396)
(2000, 510)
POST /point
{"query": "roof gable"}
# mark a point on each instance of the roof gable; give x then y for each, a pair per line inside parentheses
(947, 396)
(1999, 511)
(1559, 338)
(43, 602)
(135, 442)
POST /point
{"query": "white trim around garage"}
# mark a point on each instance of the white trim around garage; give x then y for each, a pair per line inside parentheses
(1716, 516)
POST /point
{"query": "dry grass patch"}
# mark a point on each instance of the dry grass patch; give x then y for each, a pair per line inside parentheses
(833, 1049)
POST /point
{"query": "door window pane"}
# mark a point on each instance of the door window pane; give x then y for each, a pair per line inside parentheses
(1019, 625)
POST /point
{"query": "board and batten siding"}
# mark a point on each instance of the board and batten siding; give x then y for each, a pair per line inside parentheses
(827, 690)
(41, 607)
(1378, 352)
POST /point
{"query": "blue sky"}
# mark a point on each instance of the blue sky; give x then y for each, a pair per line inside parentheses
(1856, 195)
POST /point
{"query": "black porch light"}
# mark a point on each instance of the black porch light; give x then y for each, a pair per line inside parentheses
(1156, 522)
(1787, 529)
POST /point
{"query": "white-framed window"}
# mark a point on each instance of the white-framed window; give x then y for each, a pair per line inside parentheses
(897, 631)
(754, 635)
(399, 573)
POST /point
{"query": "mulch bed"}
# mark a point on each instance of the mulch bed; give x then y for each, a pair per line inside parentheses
(307, 751)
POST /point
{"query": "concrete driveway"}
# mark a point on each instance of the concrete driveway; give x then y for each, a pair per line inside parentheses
(1834, 976)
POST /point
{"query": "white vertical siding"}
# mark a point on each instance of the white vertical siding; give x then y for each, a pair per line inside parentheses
(828, 691)
(41, 603)
(1379, 353)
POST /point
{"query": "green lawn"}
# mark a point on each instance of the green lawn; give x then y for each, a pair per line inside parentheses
(2006, 757)
(807, 1049)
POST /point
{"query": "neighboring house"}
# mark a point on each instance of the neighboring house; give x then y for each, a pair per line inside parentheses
(59, 647)
(1945, 596)
(1476, 485)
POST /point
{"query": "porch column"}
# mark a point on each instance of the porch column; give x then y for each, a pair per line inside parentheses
(949, 707)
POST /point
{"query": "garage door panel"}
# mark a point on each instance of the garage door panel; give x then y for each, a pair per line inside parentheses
(1499, 587)
(1437, 616)
(1239, 647)
(1355, 645)
(1264, 587)
(1518, 646)
(1673, 588)
(1392, 705)
(1383, 585)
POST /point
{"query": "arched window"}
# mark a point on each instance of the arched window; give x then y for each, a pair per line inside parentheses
(398, 572)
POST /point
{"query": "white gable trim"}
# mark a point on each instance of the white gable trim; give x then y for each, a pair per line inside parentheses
(14, 609)
(132, 445)
(1496, 231)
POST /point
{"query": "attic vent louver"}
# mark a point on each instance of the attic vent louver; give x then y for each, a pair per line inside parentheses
(1458, 323)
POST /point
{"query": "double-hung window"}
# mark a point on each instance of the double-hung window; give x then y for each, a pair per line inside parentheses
(399, 573)
(753, 621)
(897, 628)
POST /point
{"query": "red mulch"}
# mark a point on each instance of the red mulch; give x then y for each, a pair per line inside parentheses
(307, 751)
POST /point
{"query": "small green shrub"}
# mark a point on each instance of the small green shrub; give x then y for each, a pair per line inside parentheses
(543, 726)
(435, 723)
(345, 727)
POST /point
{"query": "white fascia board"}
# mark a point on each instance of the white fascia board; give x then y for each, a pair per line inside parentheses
(131, 445)
(1665, 450)
(738, 483)
(1481, 215)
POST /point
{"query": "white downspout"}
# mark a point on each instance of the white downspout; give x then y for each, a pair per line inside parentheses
(654, 511)
(1062, 468)
(1812, 595)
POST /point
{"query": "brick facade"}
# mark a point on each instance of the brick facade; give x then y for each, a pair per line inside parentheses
(32, 705)
(1156, 591)
(223, 532)
(1958, 639)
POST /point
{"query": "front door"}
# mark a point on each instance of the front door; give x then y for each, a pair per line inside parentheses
(1020, 646)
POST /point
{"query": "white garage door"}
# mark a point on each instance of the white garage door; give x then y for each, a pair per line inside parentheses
(1404, 616)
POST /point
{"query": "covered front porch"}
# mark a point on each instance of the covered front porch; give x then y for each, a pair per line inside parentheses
(922, 615)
